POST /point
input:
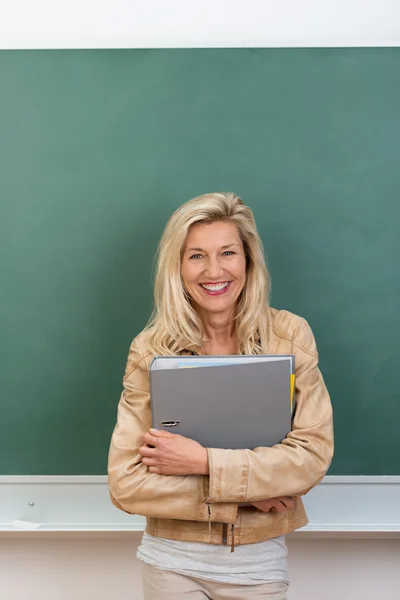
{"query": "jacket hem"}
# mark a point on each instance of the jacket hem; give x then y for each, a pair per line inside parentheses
(241, 536)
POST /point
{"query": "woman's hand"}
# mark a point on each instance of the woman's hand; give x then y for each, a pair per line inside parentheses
(279, 504)
(173, 454)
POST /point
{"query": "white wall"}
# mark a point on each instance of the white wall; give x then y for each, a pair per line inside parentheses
(88, 570)
(155, 23)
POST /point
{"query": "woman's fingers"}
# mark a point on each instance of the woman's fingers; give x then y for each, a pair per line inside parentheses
(263, 505)
(283, 503)
(162, 433)
(149, 458)
(147, 451)
(279, 504)
(154, 470)
(155, 436)
(287, 501)
(150, 439)
(149, 462)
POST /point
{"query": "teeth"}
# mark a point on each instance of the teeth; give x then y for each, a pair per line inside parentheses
(215, 288)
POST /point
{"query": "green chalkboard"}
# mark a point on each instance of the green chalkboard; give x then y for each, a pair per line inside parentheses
(97, 148)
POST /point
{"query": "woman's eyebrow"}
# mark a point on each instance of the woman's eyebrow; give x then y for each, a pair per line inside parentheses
(229, 245)
(202, 250)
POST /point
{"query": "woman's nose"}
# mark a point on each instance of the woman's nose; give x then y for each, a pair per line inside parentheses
(213, 268)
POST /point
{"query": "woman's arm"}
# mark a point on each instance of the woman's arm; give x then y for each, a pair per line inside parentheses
(133, 488)
(296, 465)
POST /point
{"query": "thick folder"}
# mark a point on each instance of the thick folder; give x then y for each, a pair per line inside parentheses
(232, 406)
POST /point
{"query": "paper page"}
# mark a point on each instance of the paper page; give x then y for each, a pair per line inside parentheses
(212, 361)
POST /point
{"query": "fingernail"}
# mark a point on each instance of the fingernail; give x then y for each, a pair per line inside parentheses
(153, 430)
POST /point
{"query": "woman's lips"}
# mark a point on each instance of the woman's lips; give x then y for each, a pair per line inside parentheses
(216, 289)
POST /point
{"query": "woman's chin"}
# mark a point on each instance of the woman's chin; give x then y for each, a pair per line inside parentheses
(216, 308)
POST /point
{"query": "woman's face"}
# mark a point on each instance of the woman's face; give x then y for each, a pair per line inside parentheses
(213, 266)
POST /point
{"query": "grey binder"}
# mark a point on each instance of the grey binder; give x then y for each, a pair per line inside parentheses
(232, 406)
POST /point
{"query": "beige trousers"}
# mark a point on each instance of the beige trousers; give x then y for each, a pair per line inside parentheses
(166, 585)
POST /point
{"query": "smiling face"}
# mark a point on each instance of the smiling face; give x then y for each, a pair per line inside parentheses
(213, 267)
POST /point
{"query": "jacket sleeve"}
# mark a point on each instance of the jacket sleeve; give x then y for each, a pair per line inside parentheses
(294, 466)
(132, 487)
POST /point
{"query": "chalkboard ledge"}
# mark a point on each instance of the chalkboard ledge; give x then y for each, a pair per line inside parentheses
(79, 506)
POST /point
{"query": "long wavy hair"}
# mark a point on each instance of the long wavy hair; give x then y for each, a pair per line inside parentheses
(174, 325)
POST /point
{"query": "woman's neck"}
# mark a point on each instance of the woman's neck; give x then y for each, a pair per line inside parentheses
(219, 334)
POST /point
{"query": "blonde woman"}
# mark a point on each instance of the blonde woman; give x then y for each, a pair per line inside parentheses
(211, 297)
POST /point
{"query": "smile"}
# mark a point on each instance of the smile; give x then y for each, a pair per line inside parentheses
(215, 289)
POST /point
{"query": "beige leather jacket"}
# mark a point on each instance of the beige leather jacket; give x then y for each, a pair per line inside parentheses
(202, 508)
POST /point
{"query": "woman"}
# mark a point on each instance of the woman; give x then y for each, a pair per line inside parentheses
(211, 297)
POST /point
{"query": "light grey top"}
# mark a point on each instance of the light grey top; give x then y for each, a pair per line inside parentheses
(249, 564)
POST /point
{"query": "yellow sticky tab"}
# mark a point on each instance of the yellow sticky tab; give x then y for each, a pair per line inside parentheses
(292, 378)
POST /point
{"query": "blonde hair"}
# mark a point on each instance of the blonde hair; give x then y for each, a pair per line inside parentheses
(175, 325)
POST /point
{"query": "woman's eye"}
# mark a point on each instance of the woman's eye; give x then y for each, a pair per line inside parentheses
(195, 256)
(228, 252)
